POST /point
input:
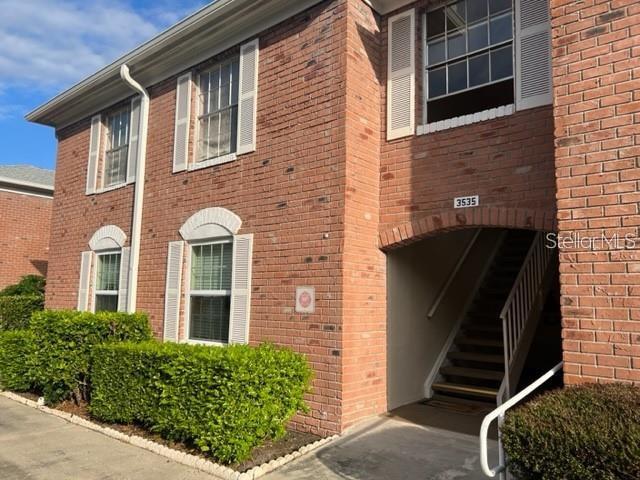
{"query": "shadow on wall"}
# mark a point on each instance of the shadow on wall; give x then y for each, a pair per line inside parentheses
(41, 266)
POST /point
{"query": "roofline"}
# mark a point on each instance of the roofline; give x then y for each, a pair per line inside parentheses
(24, 183)
(131, 57)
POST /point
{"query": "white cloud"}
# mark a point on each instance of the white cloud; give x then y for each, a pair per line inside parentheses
(50, 44)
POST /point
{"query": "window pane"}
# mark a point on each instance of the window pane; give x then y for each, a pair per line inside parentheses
(437, 82)
(225, 132)
(211, 142)
(225, 85)
(235, 78)
(457, 45)
(210, 318)
(436, 51)
(501, 29)
(435, 23)
(501, 63)
(108, 275)
(234, 130)
(496, 6)
(476, 10)
(106, 303)
(478, 37)
(211, 267)
(456, 16)
(457, 76)
(479, 70)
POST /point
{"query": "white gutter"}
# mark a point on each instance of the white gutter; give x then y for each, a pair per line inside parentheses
(138, 201)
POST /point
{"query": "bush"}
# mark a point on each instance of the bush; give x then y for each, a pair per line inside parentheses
(16, 356)
(589, 432)
(16, 310)
(28, 285)
(64, 342)
(225, 401)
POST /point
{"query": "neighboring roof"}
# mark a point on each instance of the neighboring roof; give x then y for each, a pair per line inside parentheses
(27, 178)
(211, 30)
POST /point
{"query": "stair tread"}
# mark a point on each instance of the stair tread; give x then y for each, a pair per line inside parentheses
(465, 389)
(472, 373)
(476, 357)
(479, 327)
(487, 342)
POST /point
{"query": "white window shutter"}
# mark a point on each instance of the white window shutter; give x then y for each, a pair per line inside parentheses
(248, 97)
(123, 290)
(86, 261)
(401, 75)
(183, 114)
(173, 291)
(533, 54)
(94, 153)
(134, 139)
(241, 289)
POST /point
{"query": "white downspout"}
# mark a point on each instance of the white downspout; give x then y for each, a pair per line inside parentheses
(136, 229)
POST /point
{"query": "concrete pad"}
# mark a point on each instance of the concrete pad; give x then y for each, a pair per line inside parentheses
(37, 446)
(391, 449)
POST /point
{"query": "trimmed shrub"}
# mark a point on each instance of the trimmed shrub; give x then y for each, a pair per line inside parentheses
(589, 432)
(64, 342)
(16, 310)
(28, 285)
(225, 401)
(16, 356)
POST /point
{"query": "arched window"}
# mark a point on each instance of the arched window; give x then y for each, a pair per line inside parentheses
(104, 272)
(217, 281)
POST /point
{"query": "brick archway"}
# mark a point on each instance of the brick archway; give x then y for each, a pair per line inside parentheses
(449, 220)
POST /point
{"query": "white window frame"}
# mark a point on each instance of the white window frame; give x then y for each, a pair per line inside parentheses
(208, 293)
(476, 117)
(108, 149)
(196, 163)
(97, 292)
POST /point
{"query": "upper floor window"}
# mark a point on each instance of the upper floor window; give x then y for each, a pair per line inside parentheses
(468, 58)
(218, 111)
(117, 148)
(107, 282)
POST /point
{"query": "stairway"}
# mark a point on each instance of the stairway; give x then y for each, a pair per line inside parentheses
(474, 367)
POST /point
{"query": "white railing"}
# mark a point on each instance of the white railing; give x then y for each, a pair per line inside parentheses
(520, 303)
(499, 414)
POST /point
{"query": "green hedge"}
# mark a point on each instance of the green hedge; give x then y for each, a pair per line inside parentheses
(16, 357)
(28, 285)
(16, 310)
(589, 432)
(64, 340)
(225, 400)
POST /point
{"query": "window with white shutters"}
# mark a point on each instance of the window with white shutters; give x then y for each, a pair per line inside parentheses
(107, 284)
(114, 171)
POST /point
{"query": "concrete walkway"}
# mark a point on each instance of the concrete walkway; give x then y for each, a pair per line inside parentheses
(391, 449)
(37, 446)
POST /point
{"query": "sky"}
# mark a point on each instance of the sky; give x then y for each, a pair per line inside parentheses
(46, 46)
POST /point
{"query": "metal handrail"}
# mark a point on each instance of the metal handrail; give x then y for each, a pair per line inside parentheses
(452, 275)
(499, 413)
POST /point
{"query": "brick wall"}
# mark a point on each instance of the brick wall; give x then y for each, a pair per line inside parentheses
(596, 62)
(509, 161)
(24, 236)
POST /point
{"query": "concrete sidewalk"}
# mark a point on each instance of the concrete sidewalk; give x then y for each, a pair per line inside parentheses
(391, 449)
(37, 446)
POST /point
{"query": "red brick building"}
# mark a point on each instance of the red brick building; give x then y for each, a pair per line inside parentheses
(363, 182)
(26, 194)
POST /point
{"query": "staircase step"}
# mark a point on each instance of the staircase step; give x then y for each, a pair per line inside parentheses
(472, 373)
(475, 391)
(483, 342)
(481, 327)
(476, 357)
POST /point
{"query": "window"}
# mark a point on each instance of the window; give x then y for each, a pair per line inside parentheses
(468, 57)
(117, 151)
(107, 282)
(218, 111)
(210, 291)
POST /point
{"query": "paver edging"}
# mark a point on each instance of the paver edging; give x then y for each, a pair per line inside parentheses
(183, 458)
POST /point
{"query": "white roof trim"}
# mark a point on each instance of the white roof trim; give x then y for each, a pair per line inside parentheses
(24, 183)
